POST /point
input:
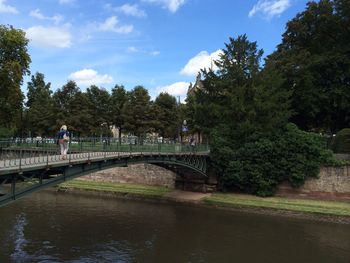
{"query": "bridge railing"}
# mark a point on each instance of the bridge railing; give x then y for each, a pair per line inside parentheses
(23, 152)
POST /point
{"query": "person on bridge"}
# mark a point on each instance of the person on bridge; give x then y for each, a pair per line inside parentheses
(192, 143)
(63, 139)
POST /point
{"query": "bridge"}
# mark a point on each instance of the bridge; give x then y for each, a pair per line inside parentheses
(29, 167)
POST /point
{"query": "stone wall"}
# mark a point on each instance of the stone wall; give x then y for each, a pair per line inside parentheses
(135, 174)
(333, 183)
(149, 174)
(342, 156)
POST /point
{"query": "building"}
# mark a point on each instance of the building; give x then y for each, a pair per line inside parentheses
(197, 85)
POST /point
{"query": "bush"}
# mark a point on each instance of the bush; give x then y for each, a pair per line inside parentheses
(341, 142)
(5, 132)
(258, 166)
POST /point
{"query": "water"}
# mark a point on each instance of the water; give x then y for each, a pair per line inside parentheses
(61, 227)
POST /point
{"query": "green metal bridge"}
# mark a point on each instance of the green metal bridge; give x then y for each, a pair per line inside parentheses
(29, 167)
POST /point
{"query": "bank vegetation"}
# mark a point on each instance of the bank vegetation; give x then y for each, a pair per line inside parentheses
(224, 200)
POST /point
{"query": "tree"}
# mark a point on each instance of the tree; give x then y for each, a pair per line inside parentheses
(67, 107)
(117, 101)
(40, 113)
(238, 95)
(246, 114)
(314, 60)
(252, 146)
(137, 112)
(83, 123)
(202, 109)
(260, 164)
(99, 99)
(14, 64)
(166, 115)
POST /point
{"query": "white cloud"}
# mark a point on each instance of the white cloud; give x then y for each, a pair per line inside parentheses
(63, 2)
(88, 77)
(171, 5)
(49, 37)
(155, 53)
(175, 89)
(202, 60)
(37, 14)
(132, 50)
(131, 10)
(270, 8)
(112, 24)
(7, 8)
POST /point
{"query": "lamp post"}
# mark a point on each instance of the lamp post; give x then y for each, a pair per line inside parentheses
(101, 129)
(179, 137)
(184, 129)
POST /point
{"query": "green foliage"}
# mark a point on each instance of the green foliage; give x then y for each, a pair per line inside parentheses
(239, 95)
(314, 60)
(137, 112)
(14, 64)
(341, 142)
(227, 93)
(6, 132)
(262, 162)
(80, 120)
(73, 108)
(40, 115)
(100, 109)
(252, 147)
(165, 114)
(91, 113)
(117, 101)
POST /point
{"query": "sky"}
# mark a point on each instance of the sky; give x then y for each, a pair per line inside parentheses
(159, 44)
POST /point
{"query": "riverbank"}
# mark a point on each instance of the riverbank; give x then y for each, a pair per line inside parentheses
(328, 210)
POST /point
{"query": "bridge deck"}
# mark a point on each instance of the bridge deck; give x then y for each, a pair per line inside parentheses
(15, 165)
(24, 170)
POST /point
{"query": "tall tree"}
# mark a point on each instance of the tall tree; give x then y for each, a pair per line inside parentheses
(14, 64)
(236, 96)
(83, 123)
(40, 112)
(117, 101)
(166, 115)
(100, 108)
(240, 104)
(314, 60)
(137, 112)
(65, 106)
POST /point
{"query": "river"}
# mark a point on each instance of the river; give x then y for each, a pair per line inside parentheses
(63, 227)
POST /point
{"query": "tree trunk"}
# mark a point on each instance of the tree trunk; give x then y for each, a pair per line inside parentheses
(120, 135)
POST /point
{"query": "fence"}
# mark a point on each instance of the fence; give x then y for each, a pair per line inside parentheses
(21, 152)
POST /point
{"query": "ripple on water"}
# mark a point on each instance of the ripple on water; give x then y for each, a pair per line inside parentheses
(17, 234)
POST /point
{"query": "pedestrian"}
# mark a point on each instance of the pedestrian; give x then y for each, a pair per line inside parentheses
(63, 139)
(193, 143)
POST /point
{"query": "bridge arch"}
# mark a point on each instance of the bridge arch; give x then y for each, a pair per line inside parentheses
(50, 174)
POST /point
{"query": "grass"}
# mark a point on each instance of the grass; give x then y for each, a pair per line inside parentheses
(335, 208)
(141, 190)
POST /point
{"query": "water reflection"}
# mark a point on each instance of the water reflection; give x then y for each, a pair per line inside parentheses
(18, 238)
(57, 227)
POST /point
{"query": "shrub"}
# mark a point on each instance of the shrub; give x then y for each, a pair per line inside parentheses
(5, 132)
(341, 142)
(259, 165)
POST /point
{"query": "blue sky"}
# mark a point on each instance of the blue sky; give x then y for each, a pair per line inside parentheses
(160, 44)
